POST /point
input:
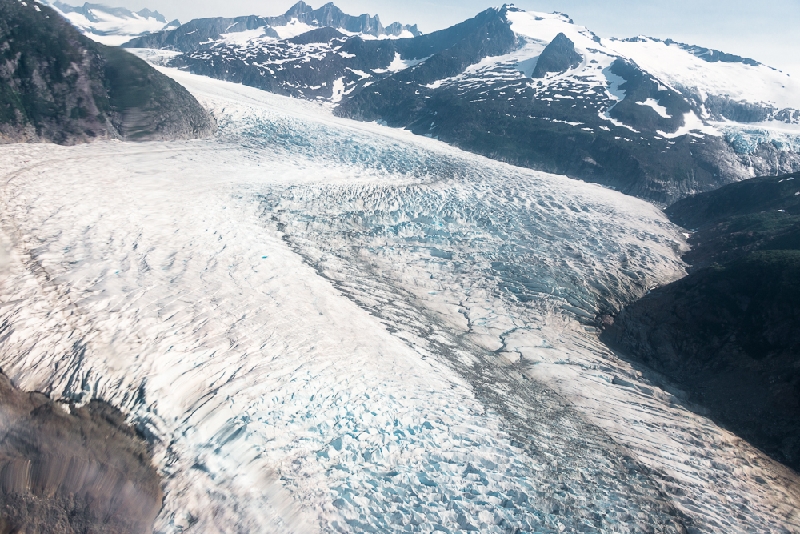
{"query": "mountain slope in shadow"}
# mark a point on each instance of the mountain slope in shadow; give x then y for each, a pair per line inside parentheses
(57, 85)
(729, 333)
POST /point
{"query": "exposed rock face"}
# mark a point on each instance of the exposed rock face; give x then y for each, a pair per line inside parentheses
(729, 333)
(320, 35)
(57, 85)
(66, 470)
(559, 56)
(146, 105)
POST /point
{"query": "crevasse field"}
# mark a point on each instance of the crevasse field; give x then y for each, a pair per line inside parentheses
(331, 326)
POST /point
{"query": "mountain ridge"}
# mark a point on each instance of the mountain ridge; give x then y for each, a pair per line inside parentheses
(111, 26)
(192, 35)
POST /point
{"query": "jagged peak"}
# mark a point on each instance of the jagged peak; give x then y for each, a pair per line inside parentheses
(330, 12)
(146, 13)
(299, 7)
(559, 56)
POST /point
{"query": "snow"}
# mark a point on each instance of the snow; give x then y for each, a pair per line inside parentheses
(244, 37)
(293, 29)
(692, 124)
(657, 107)
(672, 65)
(154, 56)
(399, 64)
(338, 90)
(316, 319)
(737, 81)
(544, 27)
(110, 29)
(361, 74)
(527, 66)
(405, 34)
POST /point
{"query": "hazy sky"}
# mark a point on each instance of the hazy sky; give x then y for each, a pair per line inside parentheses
(766, 30)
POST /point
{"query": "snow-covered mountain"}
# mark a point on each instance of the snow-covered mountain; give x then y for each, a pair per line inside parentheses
(112, 26)
(299, 19)
(657, 119)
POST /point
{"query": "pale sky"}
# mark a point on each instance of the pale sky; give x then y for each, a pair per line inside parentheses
(766, 30)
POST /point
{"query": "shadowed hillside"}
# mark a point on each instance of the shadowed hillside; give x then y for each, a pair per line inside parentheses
(729, 333)
(57, 85)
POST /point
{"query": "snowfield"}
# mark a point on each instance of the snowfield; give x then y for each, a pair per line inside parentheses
(331, 326)
(111, 27)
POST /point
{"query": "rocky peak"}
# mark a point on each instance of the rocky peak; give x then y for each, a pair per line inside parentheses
(331, 15)
(146, 13)
(559, 56)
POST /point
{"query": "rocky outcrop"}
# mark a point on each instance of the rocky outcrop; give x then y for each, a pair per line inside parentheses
(57, 85)
(729, 333)
(320, 35)
(67, 469)
(147, 105)
(559, 56)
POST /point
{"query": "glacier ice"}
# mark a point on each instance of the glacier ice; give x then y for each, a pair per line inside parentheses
(333, 326)
(746, 139)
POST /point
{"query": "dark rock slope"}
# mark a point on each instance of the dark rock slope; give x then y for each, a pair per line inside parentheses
(758, 214)
(57, 85)
(729, 333)
(557, 57)
(66, 470)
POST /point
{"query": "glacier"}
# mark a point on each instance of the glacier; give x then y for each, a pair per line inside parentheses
(330, 326)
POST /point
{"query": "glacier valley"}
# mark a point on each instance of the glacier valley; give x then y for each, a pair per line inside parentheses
(331, 326)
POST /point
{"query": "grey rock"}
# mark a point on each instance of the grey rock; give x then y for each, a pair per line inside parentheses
(559, 56)
(70, 469)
